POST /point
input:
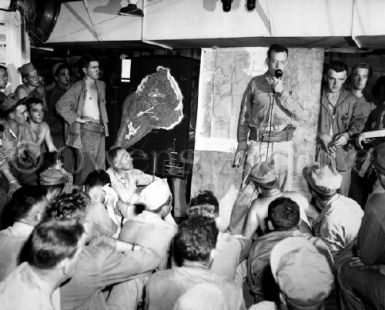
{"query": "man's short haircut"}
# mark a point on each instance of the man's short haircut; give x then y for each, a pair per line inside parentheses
(196, 238)
(51, 242)
(86, 60)
(69, 206)
(24, 199)
(204, 199)
(61, 67)
(97, 178)
(30, 101)
(363, 65)
(277, 48)
(283, 213)
(337, 66)
(113, 153)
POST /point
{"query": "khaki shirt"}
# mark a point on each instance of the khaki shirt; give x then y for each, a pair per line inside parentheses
(165, 287)
(100, 266)
(22, 289)
(261, 107)
(339, 223)
(347, 117)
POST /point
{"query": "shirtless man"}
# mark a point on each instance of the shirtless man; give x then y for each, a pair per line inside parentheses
(36, 131)
(266, 183)
(31, 86)
(13, 116)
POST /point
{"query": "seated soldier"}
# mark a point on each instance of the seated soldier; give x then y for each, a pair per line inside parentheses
(156, 217)
(55, 161)
(264, 178)
(154, 228)
(31, 87)
(26, 209)
(125, 179)
(97, 177)
(362, 275)
(100, 216)
(340, 217)
(103, 261)
(230, 250)
(50, 255)
(13, 115)
(194, 246)
(302, 273)
(283, 216)
(54, 181)
(36, 131)
(100, 179)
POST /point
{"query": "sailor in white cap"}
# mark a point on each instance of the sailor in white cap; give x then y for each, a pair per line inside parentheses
(154, 228)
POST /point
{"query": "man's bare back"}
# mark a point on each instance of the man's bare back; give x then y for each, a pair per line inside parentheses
(258, 211)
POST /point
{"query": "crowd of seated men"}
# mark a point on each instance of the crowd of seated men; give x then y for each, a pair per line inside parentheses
(112, 242)
(69, 247)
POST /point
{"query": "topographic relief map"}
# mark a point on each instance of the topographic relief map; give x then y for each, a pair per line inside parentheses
(224, 76)
(156, 104)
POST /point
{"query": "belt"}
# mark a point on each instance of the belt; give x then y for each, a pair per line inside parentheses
(285, 134)
(94, 127)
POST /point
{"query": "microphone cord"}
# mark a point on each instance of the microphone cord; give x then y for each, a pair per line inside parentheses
(270, 112)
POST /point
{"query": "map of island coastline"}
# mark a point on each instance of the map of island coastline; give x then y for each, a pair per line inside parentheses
(156, 104)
